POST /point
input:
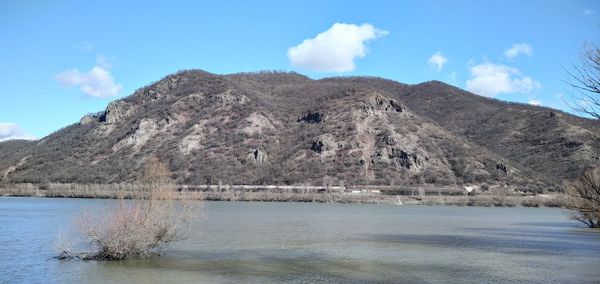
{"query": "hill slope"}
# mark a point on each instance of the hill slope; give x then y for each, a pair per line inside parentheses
(550, 142)
(284, 128)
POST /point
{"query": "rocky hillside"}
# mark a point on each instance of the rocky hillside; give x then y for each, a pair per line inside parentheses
(284, 128)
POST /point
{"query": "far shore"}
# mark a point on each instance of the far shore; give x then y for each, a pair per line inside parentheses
(289, 194)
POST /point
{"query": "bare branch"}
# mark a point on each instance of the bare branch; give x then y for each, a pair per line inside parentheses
(156, 216)
(585, 80)
(584, 198)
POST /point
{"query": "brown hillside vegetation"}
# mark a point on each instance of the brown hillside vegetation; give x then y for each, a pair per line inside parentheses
(285, 128)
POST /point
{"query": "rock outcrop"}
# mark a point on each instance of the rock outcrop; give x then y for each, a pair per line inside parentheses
(88, 119)
(117, 111)
(144, 132)
(257, 123)
(227, 98)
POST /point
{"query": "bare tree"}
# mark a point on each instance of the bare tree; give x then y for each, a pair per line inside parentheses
(584, 198)
(585, 79)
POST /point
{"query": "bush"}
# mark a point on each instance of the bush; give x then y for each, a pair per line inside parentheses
(480, 201)
(531, 202)
(556, 202)
(138, 227)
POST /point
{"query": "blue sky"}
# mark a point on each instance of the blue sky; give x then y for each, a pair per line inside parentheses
(62, 59)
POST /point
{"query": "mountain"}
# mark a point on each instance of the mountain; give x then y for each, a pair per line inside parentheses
(285, 128)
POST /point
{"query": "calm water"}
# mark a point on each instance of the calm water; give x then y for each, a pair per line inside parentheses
(316, 243)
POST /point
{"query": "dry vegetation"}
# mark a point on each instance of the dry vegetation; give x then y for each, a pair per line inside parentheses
(584, 198)
(584, 192)
(298, 194)
(153, 218)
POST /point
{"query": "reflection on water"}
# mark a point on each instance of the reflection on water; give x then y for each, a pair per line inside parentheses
(317, 243)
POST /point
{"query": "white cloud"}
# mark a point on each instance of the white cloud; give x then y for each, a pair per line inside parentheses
(490, 79)
(535, 102)
(98, 82)
(9, 131)
(437, 60)
(335, 49)
(588, 12)
(518, 49)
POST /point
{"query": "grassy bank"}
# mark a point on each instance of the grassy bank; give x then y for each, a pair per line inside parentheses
(277, 194)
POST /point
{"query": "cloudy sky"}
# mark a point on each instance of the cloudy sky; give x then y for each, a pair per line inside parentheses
(62, 59)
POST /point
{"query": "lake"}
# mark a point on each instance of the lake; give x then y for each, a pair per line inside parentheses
(251, 242)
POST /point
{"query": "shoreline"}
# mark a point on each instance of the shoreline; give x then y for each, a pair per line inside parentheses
(128, 191)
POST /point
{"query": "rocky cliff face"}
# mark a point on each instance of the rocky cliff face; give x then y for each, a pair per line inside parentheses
(284, 128)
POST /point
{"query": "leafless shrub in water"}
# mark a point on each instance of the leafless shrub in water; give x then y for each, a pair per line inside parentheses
(156, 216)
